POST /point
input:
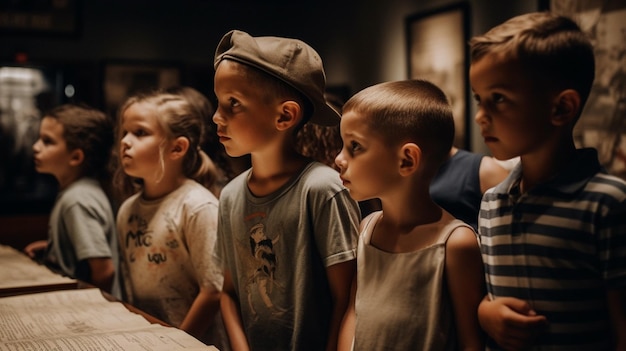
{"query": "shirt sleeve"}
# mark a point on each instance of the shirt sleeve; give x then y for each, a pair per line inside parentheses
(85, 228)
(337, 229)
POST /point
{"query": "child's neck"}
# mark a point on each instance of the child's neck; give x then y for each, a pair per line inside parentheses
(541, 167)
(407, 226)
(270, 173)
(410, 212)
(156, 189)
(65, 180)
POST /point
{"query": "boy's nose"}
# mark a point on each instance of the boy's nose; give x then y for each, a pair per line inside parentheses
(340, 161)
(481, 117)
(217, 118)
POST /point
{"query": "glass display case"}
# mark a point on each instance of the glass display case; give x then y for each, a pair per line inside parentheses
(24, 93)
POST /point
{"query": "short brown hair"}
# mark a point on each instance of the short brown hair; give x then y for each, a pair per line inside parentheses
(550, 46)
(408, 111)
(88, 129)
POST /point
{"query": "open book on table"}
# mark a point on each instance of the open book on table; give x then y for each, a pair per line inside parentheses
(83, 319)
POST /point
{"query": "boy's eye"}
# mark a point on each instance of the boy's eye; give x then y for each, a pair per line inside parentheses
(354, 146)
(498, 97)
(476, 99)
(233, 102)
(140, 132)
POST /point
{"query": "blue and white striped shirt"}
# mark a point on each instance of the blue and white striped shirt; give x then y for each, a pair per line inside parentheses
(559, 246)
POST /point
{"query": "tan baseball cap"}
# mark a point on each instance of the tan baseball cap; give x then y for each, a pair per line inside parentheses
(290, 60)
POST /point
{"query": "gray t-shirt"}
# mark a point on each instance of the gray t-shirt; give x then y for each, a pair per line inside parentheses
(277, 249)
(81, 226)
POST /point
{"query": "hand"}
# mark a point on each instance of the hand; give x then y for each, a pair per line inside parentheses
(511, 322)
(35, 248)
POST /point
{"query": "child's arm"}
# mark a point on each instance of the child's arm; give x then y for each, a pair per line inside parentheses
(510, 322)
(466, 284)
(198, 321)
(231, 315)
(616, 300)
(102, 272)
(348, 324)
(35, 248)
(340, 278)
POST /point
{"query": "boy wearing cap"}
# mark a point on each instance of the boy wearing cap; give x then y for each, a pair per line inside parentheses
(287, 229)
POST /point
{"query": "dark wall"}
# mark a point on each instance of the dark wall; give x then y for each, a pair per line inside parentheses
(361, 42)
(183, 32)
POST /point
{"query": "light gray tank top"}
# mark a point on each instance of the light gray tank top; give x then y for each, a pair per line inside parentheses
(402, 301)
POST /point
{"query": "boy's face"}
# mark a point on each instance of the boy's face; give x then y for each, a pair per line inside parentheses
(141, 142)
(245, 118)
(51, 153)
(368, 165)
(513, 108)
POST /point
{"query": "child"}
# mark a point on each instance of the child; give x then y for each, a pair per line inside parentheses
(419, 272)
(167, 229)
(74, 146)
(287, 227)
(461, 181)
(553, 234)
(323, 143)
(210, 145)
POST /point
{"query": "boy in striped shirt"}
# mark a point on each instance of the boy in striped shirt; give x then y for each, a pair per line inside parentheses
(553, 234)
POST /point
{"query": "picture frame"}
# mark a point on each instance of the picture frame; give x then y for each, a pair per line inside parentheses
(437, 51)
(122, 79)
(602, 124)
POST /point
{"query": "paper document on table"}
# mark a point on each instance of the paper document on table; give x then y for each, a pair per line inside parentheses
(154, 337)
(83, 319)
(62, 312)
(19, 271)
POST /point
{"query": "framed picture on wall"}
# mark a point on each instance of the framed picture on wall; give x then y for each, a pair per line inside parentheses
(603, 121)
(437, 52)
(125, 78)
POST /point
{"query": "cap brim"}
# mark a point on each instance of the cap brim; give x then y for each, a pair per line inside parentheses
(325, 115)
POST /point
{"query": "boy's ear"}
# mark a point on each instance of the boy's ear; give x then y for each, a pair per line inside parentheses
(77, 156)
(410, 159)
(179, 147)
(567, 107)
(290, 115)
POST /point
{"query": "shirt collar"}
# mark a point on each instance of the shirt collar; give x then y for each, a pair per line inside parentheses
(570, 180)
